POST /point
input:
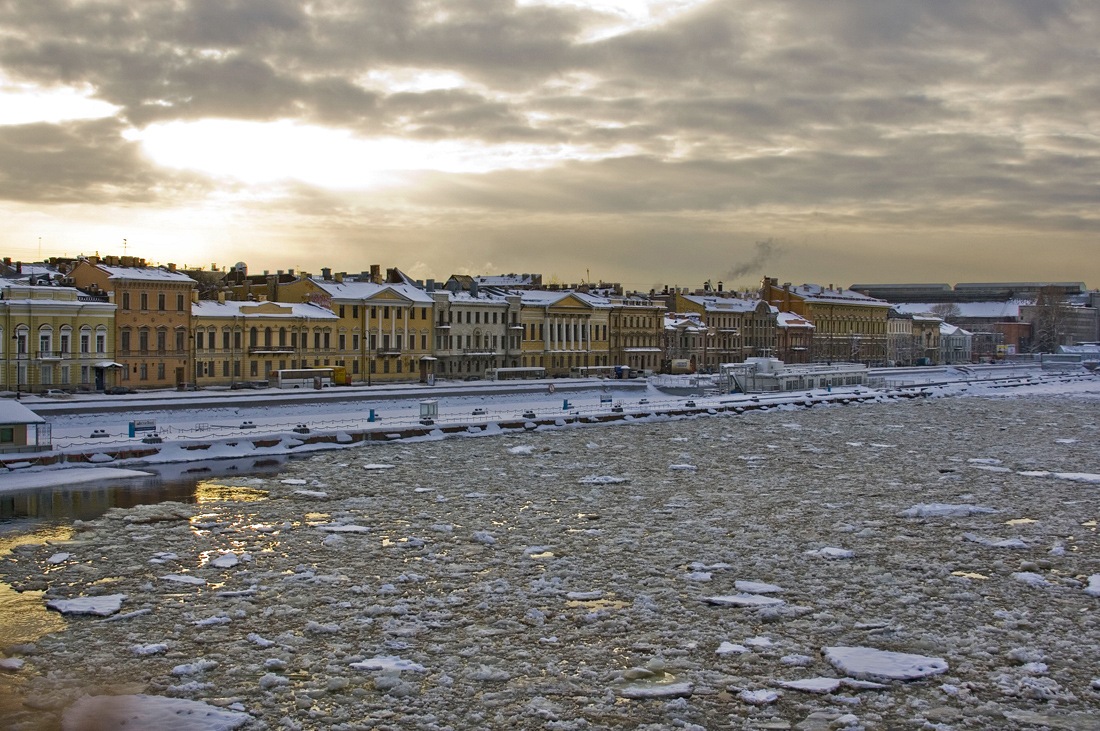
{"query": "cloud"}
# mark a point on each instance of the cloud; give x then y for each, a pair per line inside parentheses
(726, 118)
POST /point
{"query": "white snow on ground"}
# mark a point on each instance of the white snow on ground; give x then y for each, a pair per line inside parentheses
(501, 644)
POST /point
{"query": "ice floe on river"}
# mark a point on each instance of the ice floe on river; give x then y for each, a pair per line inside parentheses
(583, 582)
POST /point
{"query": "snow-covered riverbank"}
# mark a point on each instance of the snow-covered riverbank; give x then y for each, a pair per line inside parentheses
(742, 572)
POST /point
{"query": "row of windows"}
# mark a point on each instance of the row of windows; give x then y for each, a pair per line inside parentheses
(143, 301)
(476, 317)
(386, 311)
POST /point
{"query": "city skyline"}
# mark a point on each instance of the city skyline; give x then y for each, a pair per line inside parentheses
(648, 143)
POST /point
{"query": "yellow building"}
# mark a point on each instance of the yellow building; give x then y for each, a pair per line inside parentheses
(848, 326)
(563, 331)
(152, 319)
(55, 337)
(384, 331)
(246, 341)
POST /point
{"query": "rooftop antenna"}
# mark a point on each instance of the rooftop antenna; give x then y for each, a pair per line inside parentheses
(124, 244)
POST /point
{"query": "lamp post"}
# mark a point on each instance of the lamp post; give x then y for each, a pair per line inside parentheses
(19, 348)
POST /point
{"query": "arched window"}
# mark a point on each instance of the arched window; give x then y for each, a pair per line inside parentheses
(85, 344)
(252, 337)
(101, 340)
(45, 340)
(65, 341)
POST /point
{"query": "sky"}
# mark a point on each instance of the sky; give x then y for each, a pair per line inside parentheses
(661, 142)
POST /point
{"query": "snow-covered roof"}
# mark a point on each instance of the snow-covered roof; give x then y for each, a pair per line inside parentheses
(683, 322)
(818, 293)
(723, 304)
(151, 274)
(790, 319)
(273, 310)
(13, 412)
(1004, 310)
(948, 330)
(481, 298)
(547, 298)
(366, 290)
(508, 280)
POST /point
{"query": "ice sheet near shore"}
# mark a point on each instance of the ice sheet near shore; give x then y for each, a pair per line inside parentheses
(474, 585)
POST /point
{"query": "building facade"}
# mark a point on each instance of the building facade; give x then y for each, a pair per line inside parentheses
(476, 330)
(152, 318)
(55, 337)
(563, 330)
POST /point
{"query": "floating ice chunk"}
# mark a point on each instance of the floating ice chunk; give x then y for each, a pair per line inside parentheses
(378, 466)
(389, 663)
(1004, 543)
(811, 685)
(756, 587)
(295, 481)
(1088, 477)
(225, 561)
(943, 510)
(163, 557)
(183, 579)
(1031, 579)
(991, 468)
(602, 480)
(58, 558)
(759, 697)
(258, 641)
(584, 596)
(270, 680)
(744, 600)
(759, 642)
(12, 664)
(1093, 589)
(533, 550)
(101, 606)
(984, 460)
(143, 650)
(318, 494)
(642, 691)
(831, 553)
(729, 648)
(867, 663)
(521, 449)
(484, 537)
(682, 467)
(150, 711)
(194, 668)
(334, 528)
(698, 576)
(214, 621)
(797, 661)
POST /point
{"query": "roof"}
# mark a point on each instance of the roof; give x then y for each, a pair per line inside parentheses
(818, 293)
(207, 308)
(790, 319)
(948, 329)
(151, 274)
(984, 310)
(366, 290)
(723, 304)
(13, 412)
(548, 298)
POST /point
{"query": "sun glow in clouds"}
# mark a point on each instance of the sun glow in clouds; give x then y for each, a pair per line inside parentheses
(264, 152)
(30, 104)
(623, 16)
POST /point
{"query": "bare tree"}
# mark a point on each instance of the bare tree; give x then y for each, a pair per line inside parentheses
(946, 311)
(1049, 321)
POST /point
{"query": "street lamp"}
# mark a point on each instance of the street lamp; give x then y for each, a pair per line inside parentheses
(18, 371)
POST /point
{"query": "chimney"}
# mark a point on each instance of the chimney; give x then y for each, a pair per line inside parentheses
(719, 286)
(376, 273)
(326, 274)
(429, 285)
(339, 277)
(221, 298)
(473, 288)
(290, 272)
(195, 296)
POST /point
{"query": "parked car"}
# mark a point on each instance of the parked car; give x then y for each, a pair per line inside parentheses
(56, 393)
(246, 385)
(118, 390)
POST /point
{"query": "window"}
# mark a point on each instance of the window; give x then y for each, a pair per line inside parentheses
(85, 341)
(225, 341)
(200, 342)
(64, 341)
(179, 303)
(385, 313)
(181, 341)
(423, 313)
(7, 434)
(162, 341)
(144, 301)
(355, 311)
(44, 339)
(160, 302)
(143, 342)
(341, 311)
(125, 300)
(143, 372)
(341, 342)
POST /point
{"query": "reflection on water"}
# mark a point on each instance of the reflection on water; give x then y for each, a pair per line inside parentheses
(20, 510)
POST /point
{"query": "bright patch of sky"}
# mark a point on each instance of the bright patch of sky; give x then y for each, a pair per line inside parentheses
(31, 104)
(623, 16)
(259, 152)
(397, 80)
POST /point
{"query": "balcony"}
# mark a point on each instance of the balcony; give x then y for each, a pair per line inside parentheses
(270, 350)
(388, 350)
(480, 351)
(50, 355)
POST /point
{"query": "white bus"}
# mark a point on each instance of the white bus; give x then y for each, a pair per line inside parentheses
(512, 374)
(302, 378)
(613, 371)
